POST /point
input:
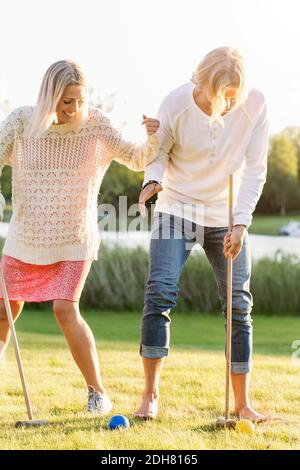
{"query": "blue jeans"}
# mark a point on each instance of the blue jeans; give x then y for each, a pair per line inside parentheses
(171, 243)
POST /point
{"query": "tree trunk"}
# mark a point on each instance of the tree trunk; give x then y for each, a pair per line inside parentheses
(282, 209)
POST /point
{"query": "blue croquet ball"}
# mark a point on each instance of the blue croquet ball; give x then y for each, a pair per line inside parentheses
(118, 421)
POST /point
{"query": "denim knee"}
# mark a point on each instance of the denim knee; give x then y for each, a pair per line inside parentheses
(160, 296)
(155, 334)
(155, 330)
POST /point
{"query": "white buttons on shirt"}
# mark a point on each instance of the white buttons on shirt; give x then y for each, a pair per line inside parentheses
(213, 149)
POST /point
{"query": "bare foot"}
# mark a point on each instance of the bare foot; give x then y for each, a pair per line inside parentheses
(148, 408)
(248, 412)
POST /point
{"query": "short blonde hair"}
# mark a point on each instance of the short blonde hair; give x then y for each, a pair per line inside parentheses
(57, 78)
(221, 69)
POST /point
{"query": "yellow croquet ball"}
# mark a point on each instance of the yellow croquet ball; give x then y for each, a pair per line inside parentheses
(245, 426)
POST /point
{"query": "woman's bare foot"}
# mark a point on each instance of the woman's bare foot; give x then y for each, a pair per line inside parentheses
(148, 408)
(247, 412)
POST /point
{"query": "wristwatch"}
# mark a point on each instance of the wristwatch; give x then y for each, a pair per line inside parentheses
(149, 182)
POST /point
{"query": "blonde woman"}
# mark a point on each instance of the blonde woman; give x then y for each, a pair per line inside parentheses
(59, 151)
(210, 127)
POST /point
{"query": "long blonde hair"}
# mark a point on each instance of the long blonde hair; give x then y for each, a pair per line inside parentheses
(59, 75)
(221, 69)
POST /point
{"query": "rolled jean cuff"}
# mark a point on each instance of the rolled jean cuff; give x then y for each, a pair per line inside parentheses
(240, 367)
(153, 352)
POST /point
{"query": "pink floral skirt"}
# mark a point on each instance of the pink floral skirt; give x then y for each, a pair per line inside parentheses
(40, 283)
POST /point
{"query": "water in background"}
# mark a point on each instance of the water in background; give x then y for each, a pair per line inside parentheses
(261, 245)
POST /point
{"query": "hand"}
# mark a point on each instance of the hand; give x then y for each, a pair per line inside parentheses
(146, 193)
(152, 125)
(233, 241)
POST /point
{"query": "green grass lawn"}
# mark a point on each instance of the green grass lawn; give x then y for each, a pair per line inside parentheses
(192, 386)
(270, 224)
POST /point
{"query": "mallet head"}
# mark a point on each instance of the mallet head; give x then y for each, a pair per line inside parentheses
(31, 423)
(226, 423)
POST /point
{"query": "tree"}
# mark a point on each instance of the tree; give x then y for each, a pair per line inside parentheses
(293, 133)
(6, 172)
(6, 183)
(281, 191)
(120, 181)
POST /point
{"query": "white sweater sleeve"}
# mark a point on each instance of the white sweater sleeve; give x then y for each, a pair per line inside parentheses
(254, 172)
(156, 169)
(134, 156)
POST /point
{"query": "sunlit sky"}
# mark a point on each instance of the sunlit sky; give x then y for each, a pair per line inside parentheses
(142, 49)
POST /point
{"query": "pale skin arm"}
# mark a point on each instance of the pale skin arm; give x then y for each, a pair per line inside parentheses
(151, 124)
(146, 194)
(156, 169)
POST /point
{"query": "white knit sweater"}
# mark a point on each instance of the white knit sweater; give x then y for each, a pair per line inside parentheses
(55, 183)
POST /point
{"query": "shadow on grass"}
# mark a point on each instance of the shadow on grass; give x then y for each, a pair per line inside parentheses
(70, 424)
(67, 425)
(209, 428)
